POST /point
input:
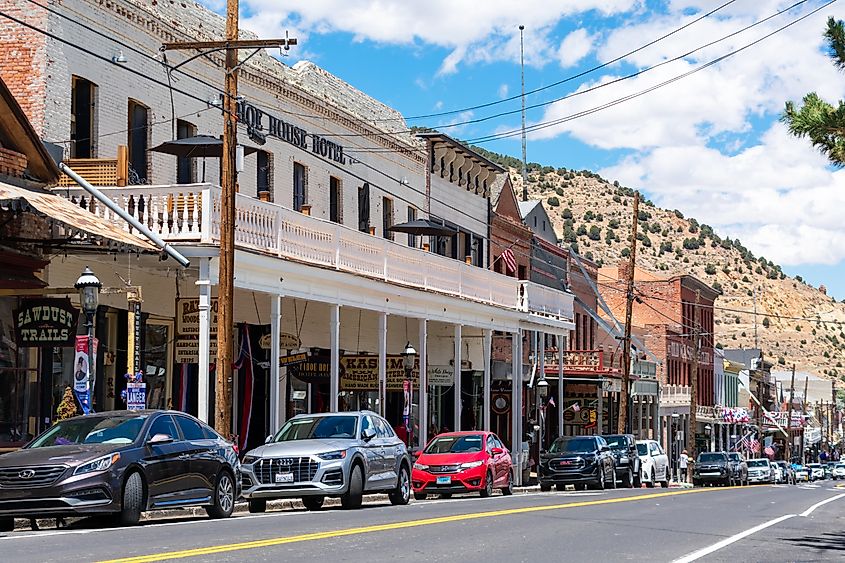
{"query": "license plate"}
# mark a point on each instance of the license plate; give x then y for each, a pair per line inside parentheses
(564, 462)
(444, 480)
(284, 477)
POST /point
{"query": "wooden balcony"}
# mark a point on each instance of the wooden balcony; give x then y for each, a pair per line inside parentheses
(99, 171)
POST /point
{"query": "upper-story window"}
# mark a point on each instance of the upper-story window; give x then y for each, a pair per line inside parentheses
(264, 173)
(82, 113)
(185, 170)
(335, 200)
(299, 186)
(387, 217)
(138, 141)
(364, 208)
(412, 216)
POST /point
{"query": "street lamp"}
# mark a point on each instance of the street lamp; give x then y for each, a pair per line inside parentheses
(409, 360)
(89, 287)
(709, 429)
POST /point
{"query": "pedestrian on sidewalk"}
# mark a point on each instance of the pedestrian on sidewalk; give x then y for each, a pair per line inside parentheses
(683, 464)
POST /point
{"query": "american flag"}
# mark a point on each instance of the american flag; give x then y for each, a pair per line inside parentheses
(509, 259)
(754, 445)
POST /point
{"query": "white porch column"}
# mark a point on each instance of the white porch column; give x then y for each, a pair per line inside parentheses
(334, 374)
(457, 368)
(275, 379)
(561, 346)
(487, 353)
(516, 404)
(382, 363)
(423, 402)
(204, 339)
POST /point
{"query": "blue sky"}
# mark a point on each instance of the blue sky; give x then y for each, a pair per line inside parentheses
(709, 144)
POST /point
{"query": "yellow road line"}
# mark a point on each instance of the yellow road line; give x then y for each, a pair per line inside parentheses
(391, 526)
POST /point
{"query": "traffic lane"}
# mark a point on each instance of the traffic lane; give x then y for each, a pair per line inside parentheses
(660, 528)
(95, 543)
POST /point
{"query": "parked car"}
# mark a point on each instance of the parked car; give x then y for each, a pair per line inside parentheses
(760, 471)
(802, 473)
(787, 475)
(314, 456)
(654, 463)
(578, 461)
(121, 463)
(839, 471)
(816, 471)
(712, 468)
(777, 472)
(828, 470)
(462, 462)
(739, 468)
(628, 465)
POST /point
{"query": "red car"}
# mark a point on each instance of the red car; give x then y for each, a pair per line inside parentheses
(462, 462)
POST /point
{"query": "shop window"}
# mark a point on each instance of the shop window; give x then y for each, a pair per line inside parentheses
(364, 208)
(335, 200)
(387, 217)
(157, 361)
(412, 216)
(299, 186)
(264, 173)
(82, 113)
(185, 169)
(138, 141)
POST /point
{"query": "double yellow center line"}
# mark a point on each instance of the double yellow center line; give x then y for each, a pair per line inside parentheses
(272, 542)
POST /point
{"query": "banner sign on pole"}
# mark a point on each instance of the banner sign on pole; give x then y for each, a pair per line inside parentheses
(83, 373)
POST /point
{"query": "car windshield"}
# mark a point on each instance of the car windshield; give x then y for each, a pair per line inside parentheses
(839, 466)
(734, 457)
(814, 465)
(757, 463)
(92, 430)
(642, 449)
(455, 444)
(708, 458)
(616, 442)
(573, 445)
(318, 427)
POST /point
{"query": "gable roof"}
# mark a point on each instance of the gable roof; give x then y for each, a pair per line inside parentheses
(17, 133)
(525, 207)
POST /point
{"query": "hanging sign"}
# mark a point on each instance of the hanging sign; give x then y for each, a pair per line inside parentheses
(441, 376)
(46, 323)
(287, 341)
(188, 329)
(360, 373)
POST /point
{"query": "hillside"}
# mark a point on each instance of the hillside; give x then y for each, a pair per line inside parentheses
(594, 216)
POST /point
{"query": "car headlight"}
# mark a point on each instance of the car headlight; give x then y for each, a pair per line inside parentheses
(330, 456)
(471, 464)
(249, 459)
(99, 464)
(421, 466)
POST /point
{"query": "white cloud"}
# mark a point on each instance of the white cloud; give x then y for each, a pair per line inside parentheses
(503, 91)
(575, 46)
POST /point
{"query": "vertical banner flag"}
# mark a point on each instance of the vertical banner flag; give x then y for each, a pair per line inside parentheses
(83, 373)
(406, 405)
(244, 361)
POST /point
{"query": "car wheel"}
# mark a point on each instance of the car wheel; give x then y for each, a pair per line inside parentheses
(354, 495)
(224, 497)
(446, 495)
(696, 483)
(580, 486)
(133, 500)
(665, 482)
(628, 480)
(600, 484)
(313, 503)
(612, 478)
(7, 524)
(402, 494)
(257, 505)
(487, 491)
(420, 496)
(560, 487)
(545, 487)
(652, 480)
(638, 478)
(508, 491)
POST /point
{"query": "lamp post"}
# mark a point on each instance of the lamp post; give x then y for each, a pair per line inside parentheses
(409, 360)
(89, 287)
(709, 430)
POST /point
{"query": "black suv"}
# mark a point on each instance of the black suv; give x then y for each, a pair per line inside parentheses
(712, 467)
(578, 461)
(624, 449)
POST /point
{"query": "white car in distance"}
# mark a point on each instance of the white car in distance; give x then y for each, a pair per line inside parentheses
(654, 463)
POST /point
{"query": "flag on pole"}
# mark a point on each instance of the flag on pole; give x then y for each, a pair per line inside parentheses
(576, 407)
(552, 401)
(509, 259)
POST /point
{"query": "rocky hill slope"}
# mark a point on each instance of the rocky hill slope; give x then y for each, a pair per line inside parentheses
(796, 323)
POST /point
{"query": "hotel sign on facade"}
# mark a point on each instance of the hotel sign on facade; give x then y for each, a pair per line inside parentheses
(188, 330)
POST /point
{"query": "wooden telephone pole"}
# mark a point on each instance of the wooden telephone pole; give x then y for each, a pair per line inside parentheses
(804, 419)
(790, 446)
(629, 305)
(693, 394)
(225, 316)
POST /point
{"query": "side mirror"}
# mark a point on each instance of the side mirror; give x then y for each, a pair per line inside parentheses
(268, 439)
(497, 451)
(159, 439)
(368, 434)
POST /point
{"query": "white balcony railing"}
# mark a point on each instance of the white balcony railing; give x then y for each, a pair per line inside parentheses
(674, 395)
(191, 213)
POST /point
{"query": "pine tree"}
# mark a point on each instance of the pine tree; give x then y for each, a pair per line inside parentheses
(820, 121)
(67, 406)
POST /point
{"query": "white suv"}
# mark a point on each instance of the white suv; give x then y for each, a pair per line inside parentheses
(654, 463)
(760, 471)
(839, 471)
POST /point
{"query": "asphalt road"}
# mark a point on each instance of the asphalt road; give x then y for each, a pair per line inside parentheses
(759, 523)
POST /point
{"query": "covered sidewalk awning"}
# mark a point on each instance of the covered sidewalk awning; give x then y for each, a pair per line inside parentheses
(75, 219)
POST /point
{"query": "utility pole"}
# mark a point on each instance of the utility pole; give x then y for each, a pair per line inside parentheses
(696, 351)
(756, 341)
(790, 445)
(524, 153)
(629, 309)
(225, 318)
(804, 419)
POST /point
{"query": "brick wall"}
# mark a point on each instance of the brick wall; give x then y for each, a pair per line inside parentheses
(12, 163)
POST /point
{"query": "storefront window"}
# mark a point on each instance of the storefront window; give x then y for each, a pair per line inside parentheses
(13, 376)
(157, 363)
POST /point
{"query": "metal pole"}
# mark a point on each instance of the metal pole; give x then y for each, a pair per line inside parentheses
(524, 153)
(789, 420)
(629, 308)
(91, 374)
